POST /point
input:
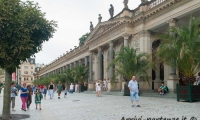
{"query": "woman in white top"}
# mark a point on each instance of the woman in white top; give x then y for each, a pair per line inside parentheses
(96, 88)
(71, 88)
(99, 90)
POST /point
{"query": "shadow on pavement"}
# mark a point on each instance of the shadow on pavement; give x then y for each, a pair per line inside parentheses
(18, 116)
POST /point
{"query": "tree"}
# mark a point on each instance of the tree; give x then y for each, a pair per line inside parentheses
(80, 73)
(83, 38)
(181, 49)
(128, 62)
(23, 29)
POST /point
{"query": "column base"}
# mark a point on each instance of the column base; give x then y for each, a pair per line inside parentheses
(157, 84)
(114, 86)
(143, 85)
(91, 86)
(171, 83)
(122, 90)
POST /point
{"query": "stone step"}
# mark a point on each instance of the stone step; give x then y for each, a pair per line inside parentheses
(144, 94)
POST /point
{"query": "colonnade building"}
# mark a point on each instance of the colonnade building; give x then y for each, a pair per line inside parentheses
(135, 28)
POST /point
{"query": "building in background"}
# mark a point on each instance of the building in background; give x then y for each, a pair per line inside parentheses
(37, 69)
(25, 73)
(2, 75)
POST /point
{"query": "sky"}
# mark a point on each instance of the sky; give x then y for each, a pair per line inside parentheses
(73, 18)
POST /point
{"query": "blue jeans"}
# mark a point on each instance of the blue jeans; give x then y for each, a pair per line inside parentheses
(71, 91)
(134, 95)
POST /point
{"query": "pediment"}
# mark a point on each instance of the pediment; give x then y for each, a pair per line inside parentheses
(102, 28)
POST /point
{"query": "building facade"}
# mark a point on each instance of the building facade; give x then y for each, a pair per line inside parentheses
(135, 28)
(25, 73)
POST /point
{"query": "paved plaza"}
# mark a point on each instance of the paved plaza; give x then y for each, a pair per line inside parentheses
(82, 106)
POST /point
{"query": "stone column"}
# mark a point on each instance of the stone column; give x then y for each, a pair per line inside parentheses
(90, 67)
(173, 79)
(157, 81)
(80, 62)
(111, 70)
(86, 61)
(99, 76)
(126, 38)
(145, 47)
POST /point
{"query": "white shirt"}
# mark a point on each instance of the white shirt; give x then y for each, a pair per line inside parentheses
(97, 84)
(71, 87)
(133, 85)
(99, 88)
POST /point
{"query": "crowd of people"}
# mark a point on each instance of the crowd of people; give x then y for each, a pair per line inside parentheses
(40, 92)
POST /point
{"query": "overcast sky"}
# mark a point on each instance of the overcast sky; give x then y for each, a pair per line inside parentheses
(73, 18)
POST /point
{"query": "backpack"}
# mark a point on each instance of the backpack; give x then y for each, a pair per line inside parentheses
(167, 88)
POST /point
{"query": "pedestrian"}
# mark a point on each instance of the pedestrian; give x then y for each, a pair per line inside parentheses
(30, 93)
(99, 90)
(76, 87)
(71, 88)
(33, 88)
(45, 92)
(65, 95)
(96, 87)
(51, 90)
(133, 87)
(105, 85)
(1, 85)
(198, 79)
(14, 93)
(59, 89)
(38, 96)
(24, 96)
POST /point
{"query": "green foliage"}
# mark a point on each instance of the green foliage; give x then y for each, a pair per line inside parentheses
(23, 28)
(181, 49)
(83, 38)
(128, 63)
(79, 74)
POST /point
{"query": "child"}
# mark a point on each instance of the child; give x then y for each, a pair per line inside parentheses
(45, 92)
(99, 90)
(65, 92)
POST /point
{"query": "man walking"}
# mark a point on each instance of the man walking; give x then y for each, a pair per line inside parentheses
(59, 89)
(133, 87)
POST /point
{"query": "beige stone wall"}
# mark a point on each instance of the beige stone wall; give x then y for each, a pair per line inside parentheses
(26, 71)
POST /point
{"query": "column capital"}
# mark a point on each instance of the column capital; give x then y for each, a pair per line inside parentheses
(126, 35)
(99, 48)
(172, 22)
(111, 43)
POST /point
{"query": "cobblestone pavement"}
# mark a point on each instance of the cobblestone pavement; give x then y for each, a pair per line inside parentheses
(81, 106)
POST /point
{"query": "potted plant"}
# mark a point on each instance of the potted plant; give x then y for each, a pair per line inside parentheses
(181, 49)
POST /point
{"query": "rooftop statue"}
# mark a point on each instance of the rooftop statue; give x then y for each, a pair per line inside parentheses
(111, 11)
(100, 18)
(91, 27)
(125, 4)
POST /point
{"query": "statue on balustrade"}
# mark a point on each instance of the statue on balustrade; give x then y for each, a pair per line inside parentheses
(144, 2)
(100, 18)
(91, 27)
(111, 11)
(125, 4)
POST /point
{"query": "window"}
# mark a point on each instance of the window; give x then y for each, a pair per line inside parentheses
(31, 78)
(24, 79)
(31, 67)
(25, 72)
(25, 67)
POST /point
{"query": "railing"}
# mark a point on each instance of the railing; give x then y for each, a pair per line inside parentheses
(155, 3)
